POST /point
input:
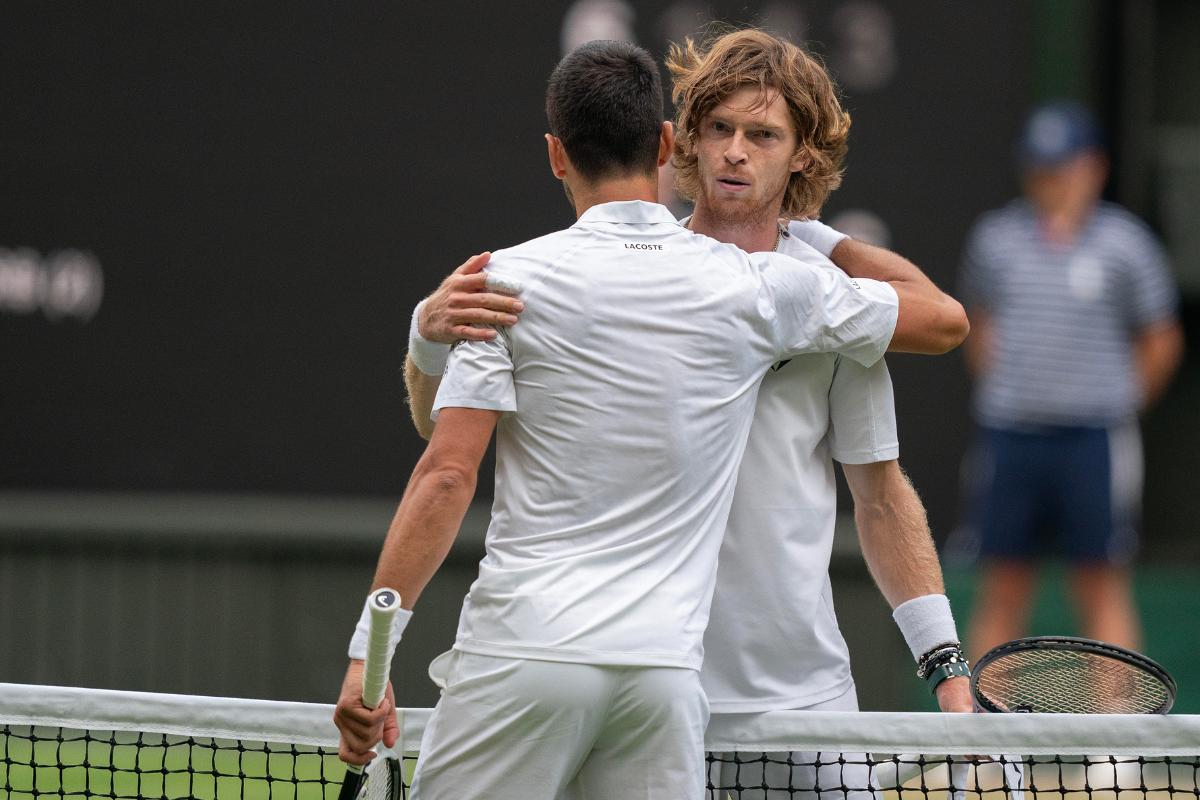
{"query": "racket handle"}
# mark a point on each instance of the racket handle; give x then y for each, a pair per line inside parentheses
(383, 604)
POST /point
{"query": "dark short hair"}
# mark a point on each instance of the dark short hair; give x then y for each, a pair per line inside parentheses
(605, 103)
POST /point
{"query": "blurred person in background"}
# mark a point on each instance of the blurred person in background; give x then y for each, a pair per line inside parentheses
(1074, 332)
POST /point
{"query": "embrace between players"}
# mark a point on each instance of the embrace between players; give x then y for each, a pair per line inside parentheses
(622, 403)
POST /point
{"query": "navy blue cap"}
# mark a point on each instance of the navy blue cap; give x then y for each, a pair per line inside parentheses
(1056, 132)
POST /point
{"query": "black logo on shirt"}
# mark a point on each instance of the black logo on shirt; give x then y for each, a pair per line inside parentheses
(642, 246)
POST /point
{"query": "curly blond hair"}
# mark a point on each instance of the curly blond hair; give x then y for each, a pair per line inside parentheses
(706, 74)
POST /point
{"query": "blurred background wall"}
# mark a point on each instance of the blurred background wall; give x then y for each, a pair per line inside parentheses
(216, 219)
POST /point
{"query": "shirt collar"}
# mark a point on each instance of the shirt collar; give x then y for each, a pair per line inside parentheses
(628, 211)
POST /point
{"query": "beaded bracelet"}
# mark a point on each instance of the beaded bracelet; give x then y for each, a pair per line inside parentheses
(941, 654)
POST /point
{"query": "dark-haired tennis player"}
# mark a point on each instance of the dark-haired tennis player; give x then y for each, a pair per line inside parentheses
(577, 656)
(773, 640)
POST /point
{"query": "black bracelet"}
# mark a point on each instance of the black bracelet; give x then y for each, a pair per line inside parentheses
(942, 654)
(951, 669)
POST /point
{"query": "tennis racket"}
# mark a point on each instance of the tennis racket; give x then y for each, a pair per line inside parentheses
(382, 778)
(1068, 675)
(1059, 674)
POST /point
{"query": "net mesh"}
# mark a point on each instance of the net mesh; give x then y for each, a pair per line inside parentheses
(57, 743)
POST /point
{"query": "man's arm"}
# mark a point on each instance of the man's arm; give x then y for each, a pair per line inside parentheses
(418, 540)
(978, 350)
(422, 391)
(1157, 351)
(461, 308)
(898, 548)
(930, 321)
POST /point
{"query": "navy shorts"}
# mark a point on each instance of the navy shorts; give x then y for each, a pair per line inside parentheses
(1074, 492)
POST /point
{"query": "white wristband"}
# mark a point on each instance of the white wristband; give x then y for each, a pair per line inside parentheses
(817, 235)
(429, 357)
(926, 622)
(358, 642)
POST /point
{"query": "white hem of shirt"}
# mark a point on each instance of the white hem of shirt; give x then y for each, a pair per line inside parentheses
(758, 706)
(888, 453)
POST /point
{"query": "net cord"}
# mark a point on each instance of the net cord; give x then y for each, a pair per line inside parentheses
(776, 731)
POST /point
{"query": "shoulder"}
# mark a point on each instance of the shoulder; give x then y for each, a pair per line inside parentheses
(531, 258)
(793, 247)
(1014, 219)
(538, 247)
(1120, 228)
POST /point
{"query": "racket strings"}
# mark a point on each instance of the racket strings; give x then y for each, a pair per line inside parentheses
(381, 780)
(1061, 681)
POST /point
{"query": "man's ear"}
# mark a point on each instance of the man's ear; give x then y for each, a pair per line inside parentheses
(557, 155)
(666, 143)
(801, 160)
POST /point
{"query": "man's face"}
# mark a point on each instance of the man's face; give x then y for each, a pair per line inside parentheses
(1069, 188)
(746, 153)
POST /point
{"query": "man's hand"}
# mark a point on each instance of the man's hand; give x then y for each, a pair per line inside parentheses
(463, 302)
(954, 695)
(361, 727)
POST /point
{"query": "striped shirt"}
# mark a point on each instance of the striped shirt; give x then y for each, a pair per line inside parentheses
(1064, 316)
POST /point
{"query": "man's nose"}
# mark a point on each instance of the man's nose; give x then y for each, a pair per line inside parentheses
(735, 152)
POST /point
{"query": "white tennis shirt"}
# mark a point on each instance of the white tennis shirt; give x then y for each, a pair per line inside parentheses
(629, 385)
(773, 641)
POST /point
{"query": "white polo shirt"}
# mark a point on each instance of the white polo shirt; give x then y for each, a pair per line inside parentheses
(773, 640)
(630, 384)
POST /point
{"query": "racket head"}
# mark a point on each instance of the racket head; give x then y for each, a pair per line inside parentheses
(1070, 675)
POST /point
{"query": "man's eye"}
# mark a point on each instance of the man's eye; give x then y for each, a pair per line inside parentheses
(766, 134)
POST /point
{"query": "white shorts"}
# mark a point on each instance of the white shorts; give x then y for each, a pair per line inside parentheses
(807, 776)
(523, 729)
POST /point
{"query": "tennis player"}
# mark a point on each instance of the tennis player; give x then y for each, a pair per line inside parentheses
(576, 661)
(773, 641)
(748, 105)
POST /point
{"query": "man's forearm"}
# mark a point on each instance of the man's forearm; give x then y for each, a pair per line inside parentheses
(861, 260)
(930, 320)
(422, 391)
(423, 530)
(894, 533)
(1158, 352)
(435, 502)
(899, 552)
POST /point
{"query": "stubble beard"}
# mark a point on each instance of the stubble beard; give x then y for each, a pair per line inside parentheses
(744, 216)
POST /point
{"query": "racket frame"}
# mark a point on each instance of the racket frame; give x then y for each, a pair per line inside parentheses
(1072, 644)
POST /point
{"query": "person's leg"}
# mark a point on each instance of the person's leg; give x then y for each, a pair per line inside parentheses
(652, 744)
(1010, 509)
(1103, 595)
(1100, 508)
(510, 728)
(1003, 600)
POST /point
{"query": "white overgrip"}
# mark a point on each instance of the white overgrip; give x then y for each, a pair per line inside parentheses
(383, 605)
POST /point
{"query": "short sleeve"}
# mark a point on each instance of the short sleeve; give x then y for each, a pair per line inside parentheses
(1152, 293)
(819, 309)
(478, 375)
(862, 413)
(976, 285)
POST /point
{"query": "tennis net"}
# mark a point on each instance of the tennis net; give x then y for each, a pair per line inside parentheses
(81, 743)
